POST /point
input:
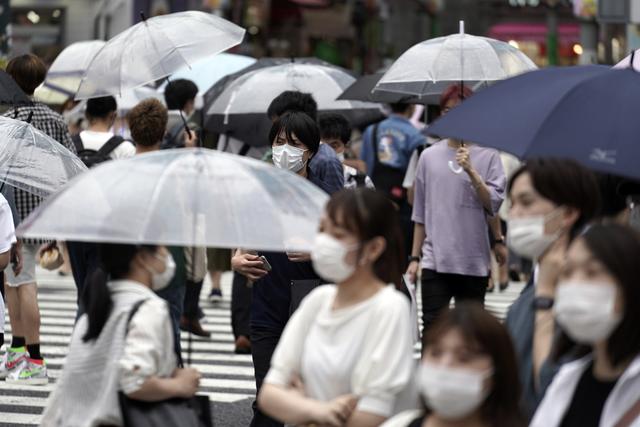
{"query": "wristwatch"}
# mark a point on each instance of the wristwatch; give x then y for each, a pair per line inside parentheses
(414, 258)
(496, 241)
(542, 303)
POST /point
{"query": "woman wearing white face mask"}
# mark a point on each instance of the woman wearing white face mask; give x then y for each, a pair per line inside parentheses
(597, 306)
(111, 352)
(346, 352)
(468, 375)
(552, 201)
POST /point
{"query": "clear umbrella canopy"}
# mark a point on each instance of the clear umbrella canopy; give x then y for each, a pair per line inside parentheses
(427, 68)
(33, 161)
(185, 197)
(206, 72)
(253, 92)
(66, 71)
(155, 48)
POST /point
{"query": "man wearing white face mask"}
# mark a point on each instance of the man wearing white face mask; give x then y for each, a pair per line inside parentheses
(598, 307)
(551, 202)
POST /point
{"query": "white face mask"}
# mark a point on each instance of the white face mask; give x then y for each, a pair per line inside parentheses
(161, 280)
(526, 236)
(340, 157)
(288, 157)
(452, 393)
(328, 258)
(586, 310)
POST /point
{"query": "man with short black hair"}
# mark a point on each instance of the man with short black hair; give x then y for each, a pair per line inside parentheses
(180, 97)
(335, 131)
(101, 113)
(325, 169)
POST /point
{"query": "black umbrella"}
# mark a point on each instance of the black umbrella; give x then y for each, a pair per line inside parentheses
(361, 90)
(253, 129)
(10, 92)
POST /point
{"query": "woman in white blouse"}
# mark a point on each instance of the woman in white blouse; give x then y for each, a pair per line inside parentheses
(109, 353)
(346, 352)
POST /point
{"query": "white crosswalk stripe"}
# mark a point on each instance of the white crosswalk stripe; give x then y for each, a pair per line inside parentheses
(227, 377)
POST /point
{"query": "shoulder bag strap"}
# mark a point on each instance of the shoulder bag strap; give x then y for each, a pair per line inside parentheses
(630, 416)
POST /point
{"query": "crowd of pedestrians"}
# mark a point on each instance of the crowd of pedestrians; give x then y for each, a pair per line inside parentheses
(331, 332)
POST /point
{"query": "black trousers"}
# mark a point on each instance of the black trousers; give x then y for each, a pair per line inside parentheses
(191, 306)
(439, 288)
(263, 344)
(241, 295)
(84, 260)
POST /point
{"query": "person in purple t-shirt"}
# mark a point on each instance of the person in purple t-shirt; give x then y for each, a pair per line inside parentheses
(458, 188)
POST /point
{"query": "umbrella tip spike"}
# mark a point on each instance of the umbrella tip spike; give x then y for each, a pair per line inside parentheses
(461, 26)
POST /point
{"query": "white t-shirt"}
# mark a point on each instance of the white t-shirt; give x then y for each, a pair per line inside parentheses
(92, 140)
(365, 349)
(7, 229)
(7, 238)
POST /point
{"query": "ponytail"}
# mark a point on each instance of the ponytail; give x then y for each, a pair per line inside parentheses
(98, 303)
(115, 263)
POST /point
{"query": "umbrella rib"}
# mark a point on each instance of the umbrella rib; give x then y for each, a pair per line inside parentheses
(174, 48)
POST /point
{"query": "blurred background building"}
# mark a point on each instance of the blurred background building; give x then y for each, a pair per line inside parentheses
(359, 34)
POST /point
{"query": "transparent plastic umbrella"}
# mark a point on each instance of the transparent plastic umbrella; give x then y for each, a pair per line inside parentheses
(67, 69)
(33, 161)
(155, 48)
(427, 68)
(206, 72)
(184, 197)
(253, 92)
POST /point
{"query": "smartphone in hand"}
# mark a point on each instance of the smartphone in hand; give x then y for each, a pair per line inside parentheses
(265, 263)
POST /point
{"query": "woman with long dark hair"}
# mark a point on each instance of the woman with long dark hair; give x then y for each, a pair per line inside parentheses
(597, 305)
(112, 352)
(346, 353)
(468, 375)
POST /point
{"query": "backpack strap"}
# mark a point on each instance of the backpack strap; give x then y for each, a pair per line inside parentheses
(77, 142)
(110, 145)
(374, 138)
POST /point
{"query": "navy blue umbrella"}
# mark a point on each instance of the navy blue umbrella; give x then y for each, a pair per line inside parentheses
(587, 113)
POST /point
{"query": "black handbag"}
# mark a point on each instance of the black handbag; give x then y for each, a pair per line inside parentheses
(191, 412)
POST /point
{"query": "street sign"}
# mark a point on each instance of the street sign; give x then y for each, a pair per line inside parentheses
(615, 11)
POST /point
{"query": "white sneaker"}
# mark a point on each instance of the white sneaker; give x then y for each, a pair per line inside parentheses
(11, 360)
(30, 372)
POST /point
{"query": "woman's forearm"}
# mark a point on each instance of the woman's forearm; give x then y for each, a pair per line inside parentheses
(287, 405)
(155, 389)
(364, 419)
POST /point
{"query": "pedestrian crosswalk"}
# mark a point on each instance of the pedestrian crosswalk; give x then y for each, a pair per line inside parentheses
(226, 377)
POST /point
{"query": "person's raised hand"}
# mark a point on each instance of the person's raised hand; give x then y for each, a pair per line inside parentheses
(463, 157)
(249, 265)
